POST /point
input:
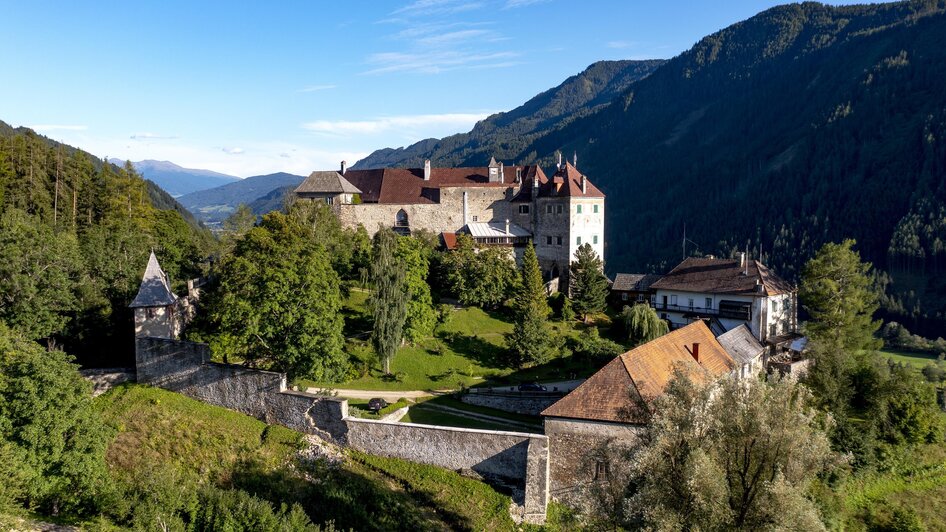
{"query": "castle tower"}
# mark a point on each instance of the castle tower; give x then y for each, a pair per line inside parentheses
(156, 307)
(569, 214)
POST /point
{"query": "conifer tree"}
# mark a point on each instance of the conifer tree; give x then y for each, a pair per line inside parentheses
(588, 285)
(388, 303)
(529, 340)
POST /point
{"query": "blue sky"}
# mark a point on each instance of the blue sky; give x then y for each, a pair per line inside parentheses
(247, 88)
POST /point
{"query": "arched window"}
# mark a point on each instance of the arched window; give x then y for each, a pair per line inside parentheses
(400, 219)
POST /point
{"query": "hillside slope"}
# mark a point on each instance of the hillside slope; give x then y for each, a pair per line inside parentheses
(504, 135)
(176, 180)
(215, 204)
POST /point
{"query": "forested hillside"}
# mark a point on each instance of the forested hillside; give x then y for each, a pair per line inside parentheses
(804, 124)
(506, 135)
(216, 204)
(75, 233)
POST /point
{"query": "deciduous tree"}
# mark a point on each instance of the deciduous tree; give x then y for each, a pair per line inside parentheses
(642, 324)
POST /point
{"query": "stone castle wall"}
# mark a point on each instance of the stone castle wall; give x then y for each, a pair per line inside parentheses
(185, 367)
(531, 404)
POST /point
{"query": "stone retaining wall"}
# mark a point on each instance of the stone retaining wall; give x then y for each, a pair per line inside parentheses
(184, 367)
(518, 403)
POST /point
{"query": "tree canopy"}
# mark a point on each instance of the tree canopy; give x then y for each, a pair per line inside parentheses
(587, 283)
(389, 301)
(642, 324)
(528, 343)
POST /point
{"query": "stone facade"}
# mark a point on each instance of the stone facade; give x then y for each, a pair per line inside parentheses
(583, 453)
(528, 403)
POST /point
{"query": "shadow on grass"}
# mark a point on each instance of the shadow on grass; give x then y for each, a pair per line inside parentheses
(485, 354)
(348, 497)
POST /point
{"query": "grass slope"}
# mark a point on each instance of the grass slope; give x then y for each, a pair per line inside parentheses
(163, 434)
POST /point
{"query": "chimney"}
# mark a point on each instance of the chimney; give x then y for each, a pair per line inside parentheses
(759, 287)
(696, 351)
(507, 226)
(559, 165)
(427, 170)
(344, 167)
(501, 176)
(742, 260)
(584, 184)
(575, 159)
(466, 215)
(535, 182)
(518, 175)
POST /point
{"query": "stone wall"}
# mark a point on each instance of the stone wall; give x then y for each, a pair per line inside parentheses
(184, 367)
(531, 404)
(582, 453)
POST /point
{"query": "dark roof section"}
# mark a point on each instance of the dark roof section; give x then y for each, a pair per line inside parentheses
(155, 289)
(723, 276)
(634, 282)
(741, 344)
(326, 182)
(403, 186)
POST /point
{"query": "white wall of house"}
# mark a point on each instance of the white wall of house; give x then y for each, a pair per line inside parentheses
(586, 226)
(157, 322)
(769, 315)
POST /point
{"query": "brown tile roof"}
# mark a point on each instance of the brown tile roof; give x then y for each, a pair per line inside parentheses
(571, 183)
(326, 181)
(645, 371)
(722, 276)
(449, 240)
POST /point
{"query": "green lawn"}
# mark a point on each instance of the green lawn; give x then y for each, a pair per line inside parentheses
(424, 413)
(429, 416)
(916, 359)
(467, 351)
(161, 434)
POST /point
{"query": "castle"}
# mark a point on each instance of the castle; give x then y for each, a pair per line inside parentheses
(495, 205)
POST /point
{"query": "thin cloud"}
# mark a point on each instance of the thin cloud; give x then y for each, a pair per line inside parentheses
(314, 88)
(437, 7)
(620, 44)
(434, 62)
(233, 151)
(453, 37)
(512, 4)
(379, 125)
(58, 127)
(151, 136)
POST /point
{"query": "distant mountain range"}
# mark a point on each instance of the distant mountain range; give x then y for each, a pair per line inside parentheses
(804, 124)
(176, 180)
(215, 204)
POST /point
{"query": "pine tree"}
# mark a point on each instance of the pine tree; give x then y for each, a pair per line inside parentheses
(529, 340)
(587, 283)
(388, 303)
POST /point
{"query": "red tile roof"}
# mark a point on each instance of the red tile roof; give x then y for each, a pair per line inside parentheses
(571, 183)
(644, 372)
(449, 240)
(722, 276)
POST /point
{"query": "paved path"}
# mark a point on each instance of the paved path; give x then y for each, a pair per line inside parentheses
(393, 395)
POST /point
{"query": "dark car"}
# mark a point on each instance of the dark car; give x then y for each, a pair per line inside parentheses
(531, 387)
(376, 404)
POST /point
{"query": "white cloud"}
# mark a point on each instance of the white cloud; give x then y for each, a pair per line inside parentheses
(453, 37)
(437, 7)
(620, 44)
(314, 88)
(151, 136)
(512, 4)
(433, 62)
(233, 151)
(57, 127)
(380, 125)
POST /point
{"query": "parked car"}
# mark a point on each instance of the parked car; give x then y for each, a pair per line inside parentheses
(532, 387)
(376, 404)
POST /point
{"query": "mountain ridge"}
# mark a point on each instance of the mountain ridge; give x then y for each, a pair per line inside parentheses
(177, 180)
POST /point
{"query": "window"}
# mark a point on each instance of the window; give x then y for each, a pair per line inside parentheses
(595, 209)
(774, 306)
(400, 219)
(150, 313)
(623, 296)
(558, 209)
(709, 302)
(690, 302)
(773, 329)
(578, 209)
(476, 218)
(786, 305)
(601, 470)
(640, 298)
(548, 241)
(558, 240)
(523, 209)
(594, 239)
(330, 200)
(578, 241)
(548, 209)
(673, 300)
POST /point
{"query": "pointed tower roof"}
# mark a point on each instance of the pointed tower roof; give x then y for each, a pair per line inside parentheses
(492, 163)
(155, 289)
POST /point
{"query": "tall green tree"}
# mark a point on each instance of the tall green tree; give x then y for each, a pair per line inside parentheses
(587, 283)
(528, 343)
(482, 277)
(414, 254)
(279, 303)
(836, 292)
(51, 429)
(642, 324)
(40, 272)
(389, 301)
(727, 455)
